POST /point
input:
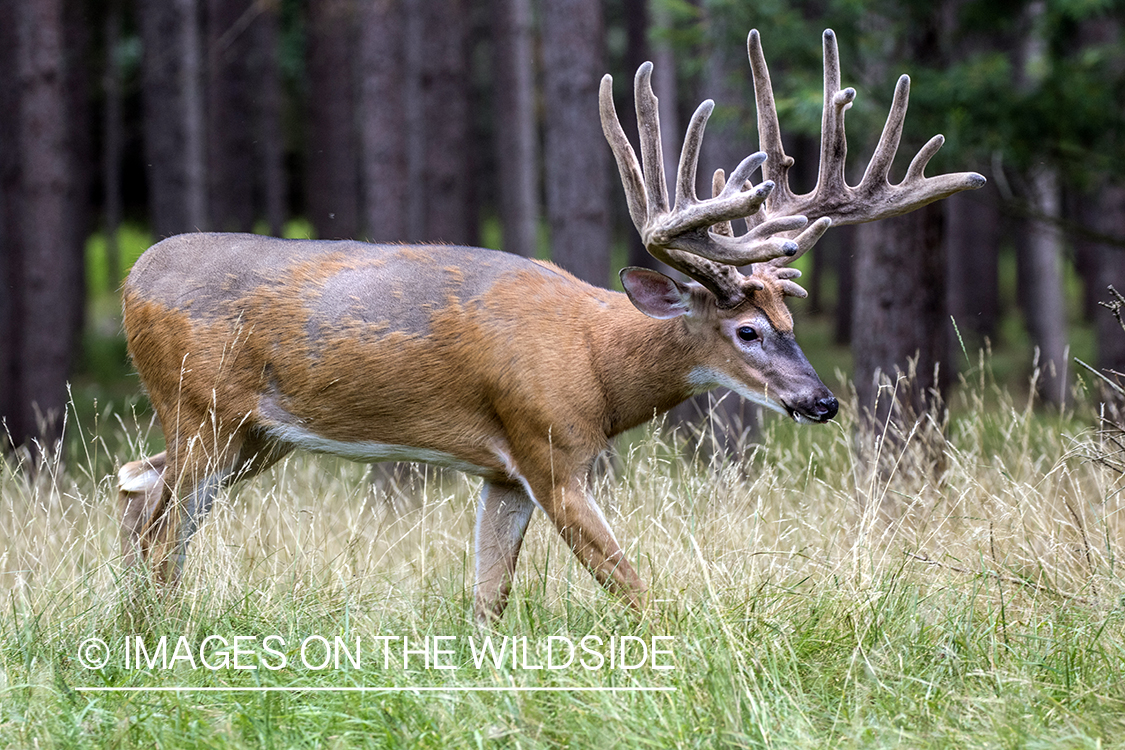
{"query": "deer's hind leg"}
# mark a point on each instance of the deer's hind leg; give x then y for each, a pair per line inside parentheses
(164, 499)
(139, 485)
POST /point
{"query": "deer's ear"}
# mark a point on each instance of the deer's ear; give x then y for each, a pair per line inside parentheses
(655, 294)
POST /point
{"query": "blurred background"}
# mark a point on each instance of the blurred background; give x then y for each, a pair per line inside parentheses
(126, 121)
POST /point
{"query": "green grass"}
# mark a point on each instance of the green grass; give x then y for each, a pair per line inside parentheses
(809, 600)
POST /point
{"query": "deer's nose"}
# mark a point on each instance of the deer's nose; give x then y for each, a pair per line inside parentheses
(826, 408)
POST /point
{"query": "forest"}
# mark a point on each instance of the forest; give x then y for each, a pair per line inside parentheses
(476, 123)
(934, 565)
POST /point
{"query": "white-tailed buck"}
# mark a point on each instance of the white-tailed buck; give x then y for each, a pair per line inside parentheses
(507, 368)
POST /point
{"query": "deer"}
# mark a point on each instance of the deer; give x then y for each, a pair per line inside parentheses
(506, 368)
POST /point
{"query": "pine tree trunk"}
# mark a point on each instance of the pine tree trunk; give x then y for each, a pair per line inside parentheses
(270, 114)
(1046, 307)
(49, 284)
(899, 314)
(195, 125)
(845, 242)
(576, 155)
(172, 112)
(1110, 221)
(382, 110)
(719, 423)
(972, 233)
(10, 246)
(113, 126)
(445, 99)
(230, 114)
(517, 147)
(331, 149)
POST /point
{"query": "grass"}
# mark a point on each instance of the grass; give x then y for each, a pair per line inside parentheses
(806, 600)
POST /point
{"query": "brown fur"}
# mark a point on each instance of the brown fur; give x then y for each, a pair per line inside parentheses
(522, 373)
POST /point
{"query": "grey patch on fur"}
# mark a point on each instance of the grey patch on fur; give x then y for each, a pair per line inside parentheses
(379, 288)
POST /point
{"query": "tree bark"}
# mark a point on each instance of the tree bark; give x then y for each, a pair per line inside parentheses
(720, 422)
(270, 114)
(1109, 220)
(899, 315)
(112, 139)
(845, 241)
(47, 281)
(1045, 307)
(331, 156)
(383, 126)
(576, 155)
(230, 114)
(10, 247)
(195, 125)
(722, 146)
(445, 96)
(517, 147)
(972, 233)
(173, 116)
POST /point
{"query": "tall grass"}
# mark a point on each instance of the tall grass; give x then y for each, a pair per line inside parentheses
(812, 599)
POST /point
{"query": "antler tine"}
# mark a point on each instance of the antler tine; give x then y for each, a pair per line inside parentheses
(648, 127)
(777, 163)
(632, 179)
(833, 141)
(879, 168)
(718, 182)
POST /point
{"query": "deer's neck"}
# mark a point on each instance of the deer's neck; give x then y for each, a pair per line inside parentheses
(643, 365)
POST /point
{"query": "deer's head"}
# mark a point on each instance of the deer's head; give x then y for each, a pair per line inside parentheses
(744, 313)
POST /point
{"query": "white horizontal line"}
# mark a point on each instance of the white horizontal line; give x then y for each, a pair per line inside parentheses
(391, 689)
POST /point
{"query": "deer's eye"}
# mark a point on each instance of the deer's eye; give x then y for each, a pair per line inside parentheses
(746, 333)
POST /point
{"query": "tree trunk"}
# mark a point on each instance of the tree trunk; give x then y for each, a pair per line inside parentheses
(383, 127)
(517, 147)
(1109, 220)
(230, 114)
(1045, 310)
(112, 138)
(195, 125)
(270, 114)
(723, 147)
(173, 116)
(636, 13)
(445, 99)
(10, 246)
(720, 422)
(667, 93)
(331, 156)
(972, 234)
(845, 251)
(48, 288)
(899, 316)
(577, 157)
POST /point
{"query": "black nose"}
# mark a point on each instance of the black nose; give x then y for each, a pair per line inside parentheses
(826, 408)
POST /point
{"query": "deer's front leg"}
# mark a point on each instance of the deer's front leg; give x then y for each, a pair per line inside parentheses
(502, 517)
(576, 515)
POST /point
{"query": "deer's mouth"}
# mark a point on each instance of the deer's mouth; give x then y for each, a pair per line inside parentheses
(801, 417)
(818, 412)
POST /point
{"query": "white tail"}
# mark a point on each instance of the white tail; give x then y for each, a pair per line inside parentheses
(485, 362)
